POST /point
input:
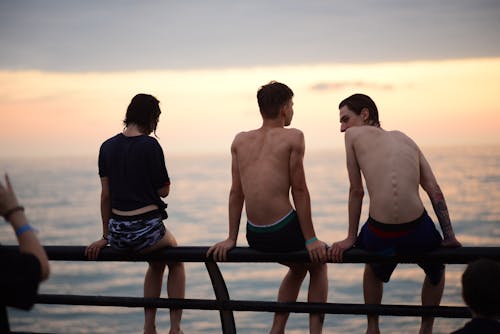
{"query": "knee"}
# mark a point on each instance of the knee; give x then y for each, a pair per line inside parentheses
(157, 266)
(298, 271)
(319, 267)
(175, 266)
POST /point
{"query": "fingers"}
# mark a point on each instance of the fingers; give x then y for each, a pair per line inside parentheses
(451, 243)
(336, 253)
(89, 252)
(210, 251)
(319, 253)
(7, 182)
(218, 252)
(214, 252)
(92, 251)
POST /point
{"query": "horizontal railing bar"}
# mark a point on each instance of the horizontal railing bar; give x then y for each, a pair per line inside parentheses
(258, 306)
(460, 255)
(29, 333)
(86, 300)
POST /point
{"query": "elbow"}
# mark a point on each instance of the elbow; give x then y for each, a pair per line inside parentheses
(237, 196)
(44, 267)
(105, 198)
(45, 272)
(299, 190)
(356, 192)
(163, 192)
(431, 188)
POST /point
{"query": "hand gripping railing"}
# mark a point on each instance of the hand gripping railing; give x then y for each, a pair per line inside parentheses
(226, 306)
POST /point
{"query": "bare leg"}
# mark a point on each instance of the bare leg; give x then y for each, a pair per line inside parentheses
(318, 293)
(431, 296)
(176, 285)
(152, 289)
(288, 292)
(373, 289)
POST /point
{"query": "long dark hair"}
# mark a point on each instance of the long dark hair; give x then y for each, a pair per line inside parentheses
(144, 111)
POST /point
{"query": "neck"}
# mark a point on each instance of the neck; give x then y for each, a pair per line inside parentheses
(278, 122)
(132, 130)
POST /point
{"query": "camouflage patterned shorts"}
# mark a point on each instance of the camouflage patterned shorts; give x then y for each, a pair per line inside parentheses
(135, 234)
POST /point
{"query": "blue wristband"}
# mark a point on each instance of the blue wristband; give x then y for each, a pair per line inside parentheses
(24, 228)
(310, 241)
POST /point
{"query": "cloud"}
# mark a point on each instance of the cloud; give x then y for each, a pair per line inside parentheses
(328, 86)
(122, 35)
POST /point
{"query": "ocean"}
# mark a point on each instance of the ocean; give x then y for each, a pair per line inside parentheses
(61, 196)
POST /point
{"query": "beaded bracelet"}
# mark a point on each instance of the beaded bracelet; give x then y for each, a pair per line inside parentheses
(310, 241)
(12, 211)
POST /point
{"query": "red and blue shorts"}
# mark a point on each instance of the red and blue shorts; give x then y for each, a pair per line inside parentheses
(416, 237)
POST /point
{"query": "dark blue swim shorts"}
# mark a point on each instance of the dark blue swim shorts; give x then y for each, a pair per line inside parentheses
(416, 237)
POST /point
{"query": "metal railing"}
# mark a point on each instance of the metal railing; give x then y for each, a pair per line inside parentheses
(226, 306)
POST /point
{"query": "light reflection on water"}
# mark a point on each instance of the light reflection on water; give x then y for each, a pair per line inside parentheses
(62, 200)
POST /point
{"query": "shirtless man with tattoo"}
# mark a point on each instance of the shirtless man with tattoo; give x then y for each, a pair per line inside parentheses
(393, 168)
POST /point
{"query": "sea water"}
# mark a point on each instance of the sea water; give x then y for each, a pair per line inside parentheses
(61, 196)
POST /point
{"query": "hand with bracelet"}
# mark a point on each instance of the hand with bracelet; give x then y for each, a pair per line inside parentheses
(94, 249)
(317, 249)
(13, 213)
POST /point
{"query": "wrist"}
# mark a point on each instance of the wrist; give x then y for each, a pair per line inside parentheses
(10, 212)
(352, 237)
(311, 240)
(449, 235)
(24, 228)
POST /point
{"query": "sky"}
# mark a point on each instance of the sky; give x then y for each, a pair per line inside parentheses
(68, 69)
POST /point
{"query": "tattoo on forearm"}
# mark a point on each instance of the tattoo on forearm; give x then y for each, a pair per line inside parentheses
(441, 210)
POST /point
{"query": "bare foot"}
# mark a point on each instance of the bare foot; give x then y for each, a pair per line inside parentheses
(176, 332)
(150, 330)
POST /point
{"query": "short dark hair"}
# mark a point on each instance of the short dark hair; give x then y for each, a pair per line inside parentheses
(144, 111)
(357, 102)
(480, 287)
(272, 97)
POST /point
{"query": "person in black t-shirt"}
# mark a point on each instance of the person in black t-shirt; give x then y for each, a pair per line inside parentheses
(25, 268)
(134, 178)
(481, 294)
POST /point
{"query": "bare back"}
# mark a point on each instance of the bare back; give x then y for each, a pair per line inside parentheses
(390, 163)
(262, 159)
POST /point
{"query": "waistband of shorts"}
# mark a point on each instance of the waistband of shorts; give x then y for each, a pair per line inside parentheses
(397, 227)
(159, 213)
(274, 226)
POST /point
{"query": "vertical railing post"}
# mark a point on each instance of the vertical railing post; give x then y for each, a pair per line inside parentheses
(222, 295)
(4, 320)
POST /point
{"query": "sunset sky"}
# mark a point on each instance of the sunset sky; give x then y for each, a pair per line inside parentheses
(68, 69)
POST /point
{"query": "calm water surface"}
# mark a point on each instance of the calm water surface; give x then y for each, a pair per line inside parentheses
(62, 201)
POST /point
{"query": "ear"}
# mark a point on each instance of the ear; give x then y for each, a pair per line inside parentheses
(283, 110)
(365, 115)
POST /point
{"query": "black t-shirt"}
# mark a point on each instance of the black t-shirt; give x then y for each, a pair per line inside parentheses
(480, 326)
(135, 167)
(19, 279)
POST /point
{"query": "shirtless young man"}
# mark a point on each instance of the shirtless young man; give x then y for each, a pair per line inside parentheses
(266, 164)
(393, 167)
